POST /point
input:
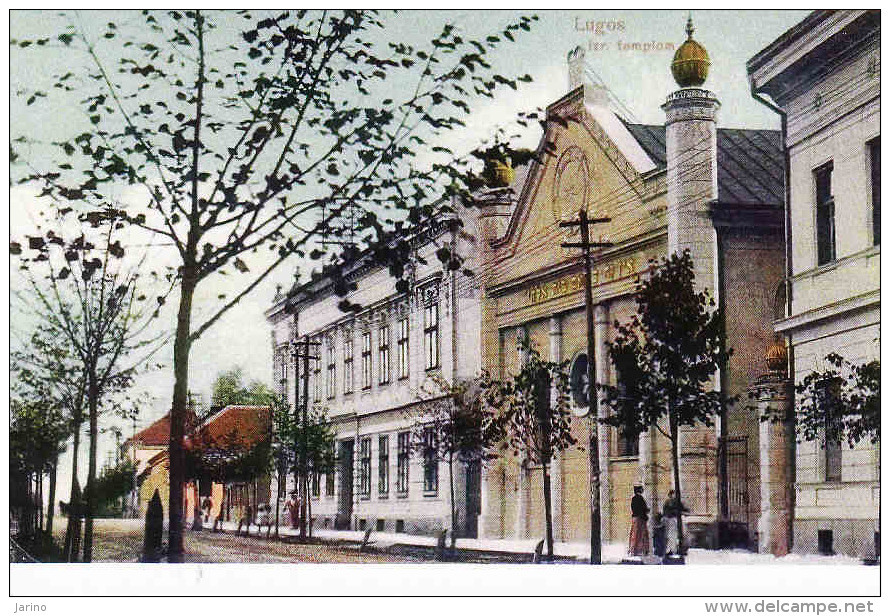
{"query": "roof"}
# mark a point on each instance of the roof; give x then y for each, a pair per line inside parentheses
(246, 425)
(749, 162)
(156, 434)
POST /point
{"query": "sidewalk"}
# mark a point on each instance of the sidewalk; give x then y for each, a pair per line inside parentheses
(381, 540)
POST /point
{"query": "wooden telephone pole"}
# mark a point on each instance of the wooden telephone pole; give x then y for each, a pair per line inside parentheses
(596, 547)
(301, 415)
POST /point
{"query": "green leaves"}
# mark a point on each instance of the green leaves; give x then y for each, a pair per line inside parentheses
(839, 402)
(666, 355)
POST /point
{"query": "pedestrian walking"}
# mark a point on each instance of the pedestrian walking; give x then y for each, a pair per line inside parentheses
(638, 544)
(670, 513)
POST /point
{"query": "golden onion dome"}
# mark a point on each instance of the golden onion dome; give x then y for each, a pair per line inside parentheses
(691, 62)
(777, 356)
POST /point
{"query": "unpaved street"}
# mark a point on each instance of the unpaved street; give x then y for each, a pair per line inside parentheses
(121, 541)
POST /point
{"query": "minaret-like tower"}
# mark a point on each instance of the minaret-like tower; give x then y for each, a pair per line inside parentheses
(691, 135)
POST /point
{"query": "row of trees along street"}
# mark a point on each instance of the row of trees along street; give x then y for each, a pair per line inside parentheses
(84, 336)
(236, 133)
(229, 143)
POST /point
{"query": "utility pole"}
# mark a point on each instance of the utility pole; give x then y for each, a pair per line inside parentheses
(301, 415)
(585, 244)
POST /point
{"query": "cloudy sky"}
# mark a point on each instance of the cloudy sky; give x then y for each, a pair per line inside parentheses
(630, 50)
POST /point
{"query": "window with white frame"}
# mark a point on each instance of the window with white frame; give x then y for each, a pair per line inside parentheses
(430, 461)
(366, 360)
(403, 348)
(874, 159)
(329, 476)
(431, 334)
(365, 467)
(826, 249)
(316, 378)
(383, 357)
(348, 372)
(331, 384)
(282, 376)
(316, 484)
(403, 458)
(383, 465)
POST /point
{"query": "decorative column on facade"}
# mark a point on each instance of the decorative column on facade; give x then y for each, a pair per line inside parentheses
(691, 136)
(523, 479)
(773, 393)
(602, 369)
(555, 333)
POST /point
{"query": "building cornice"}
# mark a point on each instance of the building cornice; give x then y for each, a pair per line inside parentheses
(831, 311)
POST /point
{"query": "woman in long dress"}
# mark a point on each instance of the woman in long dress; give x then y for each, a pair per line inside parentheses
(639, 534)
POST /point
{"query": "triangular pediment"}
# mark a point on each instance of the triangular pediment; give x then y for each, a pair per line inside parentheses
(586, 158)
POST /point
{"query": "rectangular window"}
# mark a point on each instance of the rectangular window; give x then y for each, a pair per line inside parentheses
(383, 465)
(431, 335)
(316, 484)
(825, 232)
(366, 360)
(403, 348)
(365, 468)
(331, 385)
(282, 378)
(833, 458)
(874, 155)
(404, 451)
(430, 461)
(628, 444)
(347, 367)
(316, 379)
(383, 357)
(329, 477)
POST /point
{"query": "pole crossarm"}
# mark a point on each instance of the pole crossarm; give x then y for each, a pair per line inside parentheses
(587, 245)
(589, 221)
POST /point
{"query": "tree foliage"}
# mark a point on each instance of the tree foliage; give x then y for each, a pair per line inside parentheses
(665, 358)
(534, 415)
(229, 388)
(840, 402)
(464, 423)
(667, 354)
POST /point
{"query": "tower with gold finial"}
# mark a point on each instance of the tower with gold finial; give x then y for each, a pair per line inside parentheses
(691, 136)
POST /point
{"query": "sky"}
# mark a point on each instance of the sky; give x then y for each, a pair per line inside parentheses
(638, 75)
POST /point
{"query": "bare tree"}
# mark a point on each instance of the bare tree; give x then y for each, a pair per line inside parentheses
(240, 133)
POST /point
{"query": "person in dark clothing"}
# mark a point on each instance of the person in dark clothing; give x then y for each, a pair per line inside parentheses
(639, 534)
(670, 512)
(659, 537)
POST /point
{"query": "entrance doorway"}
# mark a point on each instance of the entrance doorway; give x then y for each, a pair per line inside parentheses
(345, 452)
(473, 499)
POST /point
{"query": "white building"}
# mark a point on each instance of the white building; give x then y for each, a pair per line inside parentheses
(823, 77)
(377, 371)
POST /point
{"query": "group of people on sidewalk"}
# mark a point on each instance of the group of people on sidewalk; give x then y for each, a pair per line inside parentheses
(665, 538)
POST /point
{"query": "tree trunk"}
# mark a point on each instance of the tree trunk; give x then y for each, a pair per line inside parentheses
(90, 501)
(40, 500)
(548, 510)
(73, 524)
(50, 513)
(309, 513)
(181, 348)
(675, 453)
(277, 500)
(453, 506)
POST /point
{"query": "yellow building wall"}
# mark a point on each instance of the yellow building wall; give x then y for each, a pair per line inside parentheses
(158, 479)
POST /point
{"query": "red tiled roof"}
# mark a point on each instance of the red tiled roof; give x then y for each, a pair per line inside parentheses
(247, 425)
(157, 434)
